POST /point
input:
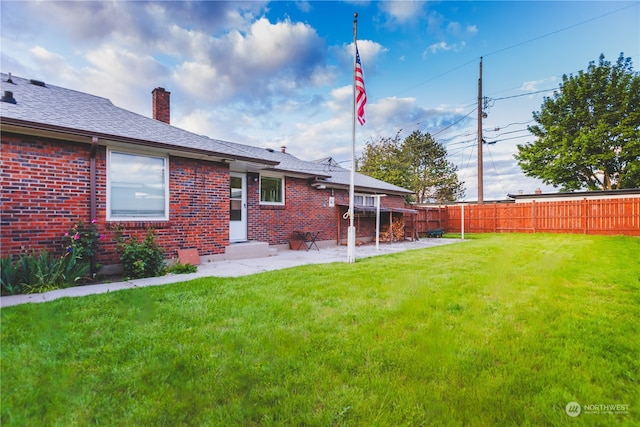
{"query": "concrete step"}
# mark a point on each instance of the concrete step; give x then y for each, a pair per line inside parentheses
(246, 250)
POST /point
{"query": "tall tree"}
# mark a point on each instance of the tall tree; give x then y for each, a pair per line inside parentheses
(383, 159)
(417, 163)
(588, 133)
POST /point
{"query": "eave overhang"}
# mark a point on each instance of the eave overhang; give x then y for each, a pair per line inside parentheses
(24, 127)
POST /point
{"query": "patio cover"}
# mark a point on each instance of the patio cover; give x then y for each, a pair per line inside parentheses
(362, 208)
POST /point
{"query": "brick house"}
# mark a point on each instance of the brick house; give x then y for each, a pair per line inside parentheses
(71, 157)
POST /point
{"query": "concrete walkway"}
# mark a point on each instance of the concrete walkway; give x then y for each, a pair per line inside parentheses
(243, 267)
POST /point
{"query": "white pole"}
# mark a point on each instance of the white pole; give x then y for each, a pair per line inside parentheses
(377, 223)
(462, 226)
(378, 199)
(351, 234)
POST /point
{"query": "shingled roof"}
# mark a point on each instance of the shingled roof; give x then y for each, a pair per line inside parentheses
(31, 104)
(46, 107)
(326, 172)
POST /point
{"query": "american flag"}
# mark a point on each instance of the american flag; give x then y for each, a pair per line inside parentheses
(361, 94)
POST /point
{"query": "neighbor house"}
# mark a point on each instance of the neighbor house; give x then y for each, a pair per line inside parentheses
(564, 196)
(70, 157)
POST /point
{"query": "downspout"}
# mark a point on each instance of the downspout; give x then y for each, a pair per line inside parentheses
(92, 190)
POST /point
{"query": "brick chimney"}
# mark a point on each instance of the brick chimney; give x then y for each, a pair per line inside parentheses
(161, 105)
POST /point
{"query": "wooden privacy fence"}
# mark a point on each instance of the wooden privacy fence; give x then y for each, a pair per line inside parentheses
(587, 216)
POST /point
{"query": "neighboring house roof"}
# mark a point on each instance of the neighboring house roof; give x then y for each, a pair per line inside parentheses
(598, 194)
(47, 108)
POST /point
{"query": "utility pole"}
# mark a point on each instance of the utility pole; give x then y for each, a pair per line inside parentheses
(480, 113)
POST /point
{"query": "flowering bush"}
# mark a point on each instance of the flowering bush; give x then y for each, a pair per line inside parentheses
(140, 259)
(82, 241)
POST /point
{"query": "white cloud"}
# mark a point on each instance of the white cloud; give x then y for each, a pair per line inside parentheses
(139, 23)
(126, 77)
(369, 52)
(535, 85)
(453, 28)
(443, 46)
(237, 74)
(393, 108)
(46, 58)
(200, 80)
(402, 12)
(303, 6)
(268, 62)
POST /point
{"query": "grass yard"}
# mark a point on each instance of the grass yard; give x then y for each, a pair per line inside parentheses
(499, 330)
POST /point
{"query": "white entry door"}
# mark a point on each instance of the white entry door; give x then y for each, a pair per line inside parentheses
(238, 208)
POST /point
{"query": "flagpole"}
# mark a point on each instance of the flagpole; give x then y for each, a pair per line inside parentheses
(351, 234)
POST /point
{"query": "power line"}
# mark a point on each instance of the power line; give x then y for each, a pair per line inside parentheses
(523, 94)
(519, 44)
(461, 146)
(514, 137)
(470, 156)
(444, 142)
(560, 30)
(466, 115)
(465, 142)
(496, 171)
(497, 128)
(493, 99)
(454, 123)
(438, 76)
(506, 133)
(511, 47)
(414, 123)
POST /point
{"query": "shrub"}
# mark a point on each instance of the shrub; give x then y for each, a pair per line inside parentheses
(34, 273)
(141, 259)
(180, 268)
(45, 271)
(10, 277)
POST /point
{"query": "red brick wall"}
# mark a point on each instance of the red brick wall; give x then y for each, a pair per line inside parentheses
(45, 191)
(393, 202)
(306, 209)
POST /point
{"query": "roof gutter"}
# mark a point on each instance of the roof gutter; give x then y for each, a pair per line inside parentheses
(19, 126)
(365, 189)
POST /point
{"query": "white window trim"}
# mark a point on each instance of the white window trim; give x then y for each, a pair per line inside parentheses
(365, 196)
(165, 157)
(283, 187)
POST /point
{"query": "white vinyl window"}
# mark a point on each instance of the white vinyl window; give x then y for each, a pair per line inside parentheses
(137, 186)
(271, 190)
(363, 200)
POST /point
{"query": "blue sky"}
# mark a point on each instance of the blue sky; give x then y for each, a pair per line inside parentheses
(280, 73)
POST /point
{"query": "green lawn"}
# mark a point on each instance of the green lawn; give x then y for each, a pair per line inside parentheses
(499, 330)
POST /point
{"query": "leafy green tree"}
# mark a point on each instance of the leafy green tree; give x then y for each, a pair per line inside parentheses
(418, 163)
(588, 133)
(383, 159)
